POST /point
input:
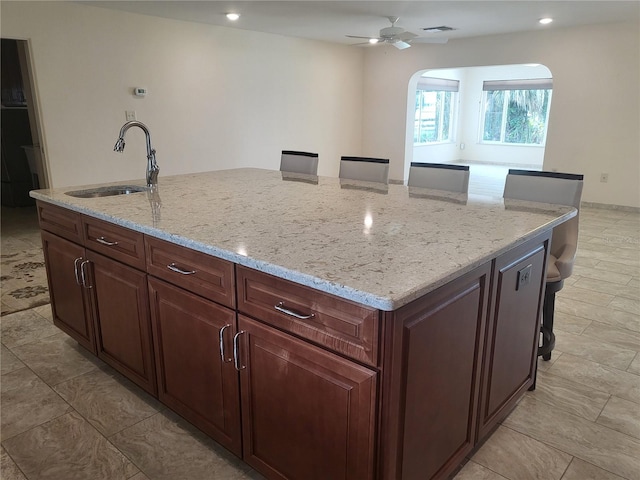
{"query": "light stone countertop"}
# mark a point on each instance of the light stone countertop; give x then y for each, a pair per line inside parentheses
(376, 245)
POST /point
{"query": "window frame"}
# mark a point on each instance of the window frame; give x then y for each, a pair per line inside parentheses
(507, 86)
(438, 86)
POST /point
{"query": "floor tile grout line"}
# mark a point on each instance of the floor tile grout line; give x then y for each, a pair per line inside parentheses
(539, 441)
(591, 386)
(15, 463)
(579, 456)
(567, 468)
(74, 410)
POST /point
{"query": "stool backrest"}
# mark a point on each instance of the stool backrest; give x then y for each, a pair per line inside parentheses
(550, 187)
(299, 162)
(365, 169)
(439, 176)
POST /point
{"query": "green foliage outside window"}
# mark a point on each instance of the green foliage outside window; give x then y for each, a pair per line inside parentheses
(516, 116)
(433, 117)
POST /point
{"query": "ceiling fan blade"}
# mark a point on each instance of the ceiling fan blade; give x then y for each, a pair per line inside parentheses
(441, 41)
(404, 36)
(358, 36)
(363, 44)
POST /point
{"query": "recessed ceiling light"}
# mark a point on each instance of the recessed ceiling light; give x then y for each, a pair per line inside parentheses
(545, 21)
(373, 40)
(233, 16)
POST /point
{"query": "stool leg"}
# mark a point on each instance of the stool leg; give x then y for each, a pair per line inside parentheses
(548, 308)
(535, 376)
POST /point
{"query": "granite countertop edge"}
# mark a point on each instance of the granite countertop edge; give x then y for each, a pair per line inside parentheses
(385, 303)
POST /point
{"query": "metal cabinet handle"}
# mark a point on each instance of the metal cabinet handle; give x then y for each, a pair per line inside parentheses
(174, 268)
(236, 348)
(83, 274)
(223, 357)
(106, 242)
(280, 308)
(76, 270)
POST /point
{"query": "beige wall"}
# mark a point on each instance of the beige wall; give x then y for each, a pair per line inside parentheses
(218, 97)
(223, 98)
(595, 114)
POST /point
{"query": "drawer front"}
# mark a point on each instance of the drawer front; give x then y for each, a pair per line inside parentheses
(335, 323)
(203, 274)
(114, 241)
(64, 223)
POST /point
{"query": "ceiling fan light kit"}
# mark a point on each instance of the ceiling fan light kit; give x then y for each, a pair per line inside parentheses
(399, 37)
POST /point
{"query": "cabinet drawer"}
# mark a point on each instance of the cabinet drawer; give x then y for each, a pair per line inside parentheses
(62, 222)
(197, 272)
(114, 241)
(338, 324)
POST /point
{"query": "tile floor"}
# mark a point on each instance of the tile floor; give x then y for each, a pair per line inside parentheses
(66, 415)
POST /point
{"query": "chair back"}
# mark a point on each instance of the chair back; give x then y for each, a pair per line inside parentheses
(557, 188)
(365, 169)
(439, 176)
(299, 162)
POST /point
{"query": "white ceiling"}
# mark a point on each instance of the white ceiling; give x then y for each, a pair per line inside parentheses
(331, 20)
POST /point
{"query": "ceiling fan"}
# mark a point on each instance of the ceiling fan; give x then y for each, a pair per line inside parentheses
(397, 36)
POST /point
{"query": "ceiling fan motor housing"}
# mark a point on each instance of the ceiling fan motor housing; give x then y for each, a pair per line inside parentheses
(391, 32)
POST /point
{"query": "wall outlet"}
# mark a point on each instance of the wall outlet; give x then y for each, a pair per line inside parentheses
(130, 114)
(604, 177)
(524, 277)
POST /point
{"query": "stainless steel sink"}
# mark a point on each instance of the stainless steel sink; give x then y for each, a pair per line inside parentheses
(107, 191)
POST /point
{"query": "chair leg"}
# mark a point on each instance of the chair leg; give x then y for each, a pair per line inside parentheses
(548, 308)
(535, 376)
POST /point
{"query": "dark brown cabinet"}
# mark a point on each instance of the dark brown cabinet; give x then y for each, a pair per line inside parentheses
(307, 413)
(70, 303)
(194, 361)
(456, 362)
(510, 356)
(300, 383)
(100, 302)
(122, 322)
(432, 374)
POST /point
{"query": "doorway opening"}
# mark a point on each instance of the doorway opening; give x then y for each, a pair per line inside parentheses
(23, 166)
(490, 118)
(24, 282)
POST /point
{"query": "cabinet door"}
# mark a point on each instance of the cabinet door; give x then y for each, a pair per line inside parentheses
(432, 379)
(512, 332)
(307, 414)
(123, 327)
(194, 378)
(69, 302)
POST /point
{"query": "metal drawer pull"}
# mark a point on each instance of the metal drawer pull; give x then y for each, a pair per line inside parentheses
(236, 356)
(223, 357)
(76, 270)
(106, 242)
(280, 308)
(83, 276)
(174, 268)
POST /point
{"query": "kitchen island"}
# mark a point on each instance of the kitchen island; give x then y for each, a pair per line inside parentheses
(316, 328)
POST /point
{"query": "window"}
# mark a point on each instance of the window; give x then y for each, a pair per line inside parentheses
(435, 103)
(516, 111)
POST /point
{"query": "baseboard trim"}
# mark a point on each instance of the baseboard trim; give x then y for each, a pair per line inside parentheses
(607, 206)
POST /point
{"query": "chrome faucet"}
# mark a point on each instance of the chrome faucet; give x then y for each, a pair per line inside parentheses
(152, 165)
